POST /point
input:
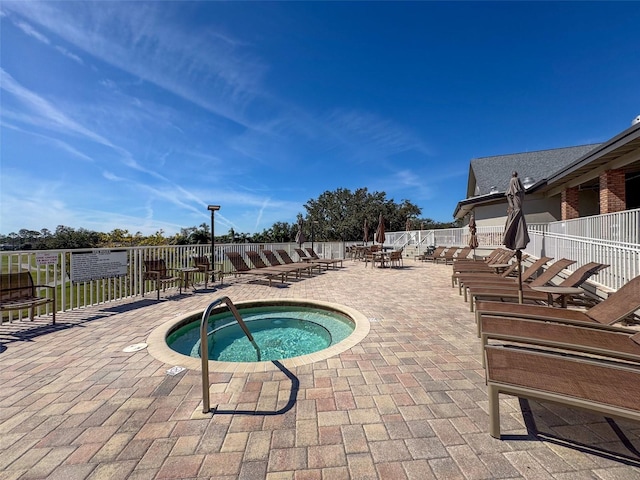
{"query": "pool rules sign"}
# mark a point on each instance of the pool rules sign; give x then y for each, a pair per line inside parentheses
(99, 264)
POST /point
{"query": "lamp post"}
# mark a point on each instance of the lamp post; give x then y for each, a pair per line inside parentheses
(313, 223)
(213, 209)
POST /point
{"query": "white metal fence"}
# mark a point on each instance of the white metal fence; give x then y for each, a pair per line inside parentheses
(623, 227)
(584, 244)
(57, 271)
(623, 259)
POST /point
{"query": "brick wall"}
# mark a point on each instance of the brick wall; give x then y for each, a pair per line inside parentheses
(569, 206)
(612, 191)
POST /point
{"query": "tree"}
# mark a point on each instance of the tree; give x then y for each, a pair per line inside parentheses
(200, 236)
(341, 214)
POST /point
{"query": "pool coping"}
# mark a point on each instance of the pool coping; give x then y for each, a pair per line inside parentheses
(157, 346)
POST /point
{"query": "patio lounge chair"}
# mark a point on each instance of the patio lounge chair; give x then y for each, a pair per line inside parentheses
(502, 256)
(594, 338)
(615, 308)
(305, 257)
(576, 279)
(258, 263)
(600, 384)
(298, 268)
(487, 259)
(157, 271)
(433, 255)
(447, 256)
(286, 258)
(471, 280)
(241, 268)
(545, 277)
(329, 261)
(463, 254)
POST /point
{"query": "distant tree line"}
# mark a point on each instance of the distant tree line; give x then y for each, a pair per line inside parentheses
(334, 216)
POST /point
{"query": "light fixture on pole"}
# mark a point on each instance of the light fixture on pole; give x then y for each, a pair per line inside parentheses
(313, 223)
(213, 209)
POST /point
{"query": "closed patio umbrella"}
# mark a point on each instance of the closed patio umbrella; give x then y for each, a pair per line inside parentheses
(473, 230)
(516, 235)
(300, 238)
(380, 230)
(365, 229)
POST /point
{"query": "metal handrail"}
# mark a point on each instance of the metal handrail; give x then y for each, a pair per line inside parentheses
(204, 347)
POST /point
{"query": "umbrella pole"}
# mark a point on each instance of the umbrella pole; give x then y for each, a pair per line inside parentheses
(519, 258)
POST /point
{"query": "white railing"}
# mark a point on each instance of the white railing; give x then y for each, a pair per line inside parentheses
(623, 259)
(411, 238)
(73, 295)
(619, 227)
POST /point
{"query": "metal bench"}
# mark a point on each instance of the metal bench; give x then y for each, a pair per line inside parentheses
(18, 292)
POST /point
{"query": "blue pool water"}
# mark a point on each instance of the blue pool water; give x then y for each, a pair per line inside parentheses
(279, 332)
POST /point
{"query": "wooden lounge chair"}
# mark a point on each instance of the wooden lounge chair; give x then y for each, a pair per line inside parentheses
(594, 338)
(241, 268)
(447, 256)
(286, 258)
(305, 257)
(615, 308)
(545, 277)
(157, 272)
(489, 258)
(502, 256)
(471, 280)
(492, 273)
(597, 383)
(576, 279)
(463, 254)
(433, 255)
(256, 259)
(329, 261)
(291, 267)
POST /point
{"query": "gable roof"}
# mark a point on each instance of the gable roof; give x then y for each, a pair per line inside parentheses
(488, 172)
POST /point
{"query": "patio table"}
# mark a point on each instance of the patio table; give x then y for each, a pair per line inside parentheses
(563, 292)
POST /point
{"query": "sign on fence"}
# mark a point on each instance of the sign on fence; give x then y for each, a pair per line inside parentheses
(47, 258)
(87, 266)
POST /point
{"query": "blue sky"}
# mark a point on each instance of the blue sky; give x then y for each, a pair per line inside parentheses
(137, 115)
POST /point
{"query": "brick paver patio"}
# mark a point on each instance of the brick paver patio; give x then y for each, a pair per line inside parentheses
(408, 401)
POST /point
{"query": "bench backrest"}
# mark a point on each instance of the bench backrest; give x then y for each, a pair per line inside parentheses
(201, 262)
(156, 266)
(15, 286)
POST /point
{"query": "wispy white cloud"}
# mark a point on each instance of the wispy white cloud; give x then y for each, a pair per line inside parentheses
(368, 134)
(61, 145)
(212, 70)
(68, 54)
(45, 113)
(32, 32)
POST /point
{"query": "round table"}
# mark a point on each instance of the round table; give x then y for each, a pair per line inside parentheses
(563, 292)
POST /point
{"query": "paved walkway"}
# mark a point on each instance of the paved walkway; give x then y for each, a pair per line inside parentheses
(408, 401)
